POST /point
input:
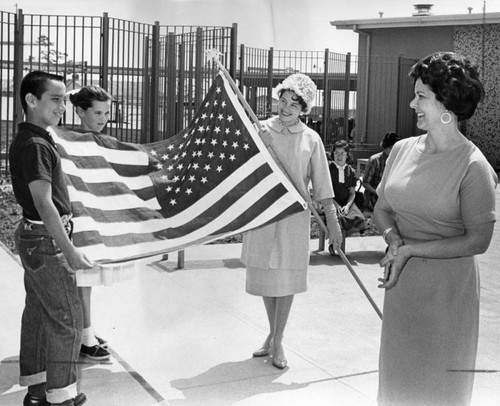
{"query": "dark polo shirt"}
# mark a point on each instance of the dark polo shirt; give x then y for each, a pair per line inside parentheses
(33, 156)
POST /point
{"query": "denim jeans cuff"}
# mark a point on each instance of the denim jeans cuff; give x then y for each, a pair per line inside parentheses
(60, 395)
(35, 379)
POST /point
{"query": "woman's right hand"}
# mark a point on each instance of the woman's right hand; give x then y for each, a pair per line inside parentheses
(334, 234)
(334, 229)
(394, 245)
(393, 262)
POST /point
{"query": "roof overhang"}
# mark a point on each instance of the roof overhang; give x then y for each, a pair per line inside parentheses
(417, 21)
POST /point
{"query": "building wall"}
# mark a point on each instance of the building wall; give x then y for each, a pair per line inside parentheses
(412, 42)
(377, 110)
(386, 106)
(484, 127)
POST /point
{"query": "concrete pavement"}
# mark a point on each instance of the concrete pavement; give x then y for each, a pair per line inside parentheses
(185, 337)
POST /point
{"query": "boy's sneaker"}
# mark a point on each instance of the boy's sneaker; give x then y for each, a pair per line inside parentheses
(95, 352)
(102, 342)
(80, 399)
(29, 400)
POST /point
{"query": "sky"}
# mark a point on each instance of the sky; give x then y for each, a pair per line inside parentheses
(282, 24)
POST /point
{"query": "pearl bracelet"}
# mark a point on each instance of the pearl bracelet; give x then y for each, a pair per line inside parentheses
(384, 235)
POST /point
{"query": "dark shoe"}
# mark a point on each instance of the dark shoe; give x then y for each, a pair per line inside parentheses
(102, 342)
(96, 352)
(30, 400)
(78, 400)
(331, 250)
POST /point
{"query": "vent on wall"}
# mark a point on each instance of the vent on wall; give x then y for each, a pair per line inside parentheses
(422, 10)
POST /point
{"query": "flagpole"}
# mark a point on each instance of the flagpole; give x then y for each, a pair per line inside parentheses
(214, 55)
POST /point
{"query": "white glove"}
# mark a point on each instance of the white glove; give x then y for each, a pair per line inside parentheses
(332, 223)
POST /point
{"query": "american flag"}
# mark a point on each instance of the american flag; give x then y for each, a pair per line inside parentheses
(213, 179)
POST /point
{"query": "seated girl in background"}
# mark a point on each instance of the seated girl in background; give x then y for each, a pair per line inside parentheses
(344, 182)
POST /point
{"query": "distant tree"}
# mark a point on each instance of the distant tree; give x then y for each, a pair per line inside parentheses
(48, 54)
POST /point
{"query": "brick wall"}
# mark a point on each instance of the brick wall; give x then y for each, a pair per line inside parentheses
(484, 127)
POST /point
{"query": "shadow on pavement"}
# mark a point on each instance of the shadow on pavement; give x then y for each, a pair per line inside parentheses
(224, 384)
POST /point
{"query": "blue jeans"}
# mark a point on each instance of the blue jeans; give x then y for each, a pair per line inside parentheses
(52, 321)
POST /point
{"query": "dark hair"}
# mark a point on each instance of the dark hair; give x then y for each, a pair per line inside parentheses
(341, 144)
(35, 82)
(389, 140)
(87, 94)
(454, 79)
(301, 101)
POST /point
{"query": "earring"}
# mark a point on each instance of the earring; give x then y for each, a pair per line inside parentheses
(446, 118)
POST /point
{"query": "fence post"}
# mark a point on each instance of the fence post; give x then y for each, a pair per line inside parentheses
(347, 90)
(104, 68)
(171, 87)
(181, 88)
(326, 98)
(18, 67)
(198, 69)
(146, 87)
(270, 64)
(154, 83)
(234, 50)
(242, 69)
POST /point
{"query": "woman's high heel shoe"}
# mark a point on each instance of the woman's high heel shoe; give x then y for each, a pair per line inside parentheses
(264, 351)
(280, 363)
(279, 360)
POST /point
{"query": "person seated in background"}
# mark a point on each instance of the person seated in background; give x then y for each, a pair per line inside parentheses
(375, 169)
(344, 182)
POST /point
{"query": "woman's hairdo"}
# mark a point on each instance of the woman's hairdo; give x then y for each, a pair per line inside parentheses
(454, 79)
(303, 86)
(341, 144)
(87, 94)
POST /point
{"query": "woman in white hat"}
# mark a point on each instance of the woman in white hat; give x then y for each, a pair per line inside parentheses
(277, 255)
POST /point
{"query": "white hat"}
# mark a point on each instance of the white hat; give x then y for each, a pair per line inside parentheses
(302, 86)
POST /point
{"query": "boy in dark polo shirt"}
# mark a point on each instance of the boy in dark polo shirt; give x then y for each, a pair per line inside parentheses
(52, 319)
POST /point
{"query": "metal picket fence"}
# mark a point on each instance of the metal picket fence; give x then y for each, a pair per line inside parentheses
(261, 70)
(7, 50)
(159, 74)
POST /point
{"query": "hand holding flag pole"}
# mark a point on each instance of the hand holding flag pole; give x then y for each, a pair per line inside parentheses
(214, 55)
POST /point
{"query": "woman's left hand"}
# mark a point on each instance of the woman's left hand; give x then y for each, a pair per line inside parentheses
(393, 263)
